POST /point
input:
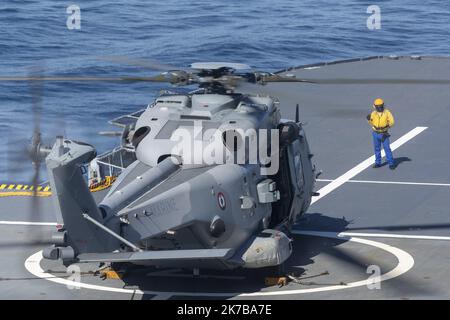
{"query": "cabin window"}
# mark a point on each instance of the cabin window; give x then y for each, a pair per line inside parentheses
(140, 134)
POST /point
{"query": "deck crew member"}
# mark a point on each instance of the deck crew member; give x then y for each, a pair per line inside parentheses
(381, 119)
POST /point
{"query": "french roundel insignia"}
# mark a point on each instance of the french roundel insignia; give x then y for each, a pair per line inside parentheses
(221, 201)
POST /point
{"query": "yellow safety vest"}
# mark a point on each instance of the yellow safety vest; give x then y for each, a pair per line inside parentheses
(381, 122)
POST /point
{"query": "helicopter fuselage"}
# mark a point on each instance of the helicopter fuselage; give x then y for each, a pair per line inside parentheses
(217, 182)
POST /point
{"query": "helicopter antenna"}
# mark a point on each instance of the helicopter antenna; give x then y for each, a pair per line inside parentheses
(297, 114)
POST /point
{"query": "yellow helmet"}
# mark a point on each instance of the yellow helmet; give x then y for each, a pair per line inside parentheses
(378, 102)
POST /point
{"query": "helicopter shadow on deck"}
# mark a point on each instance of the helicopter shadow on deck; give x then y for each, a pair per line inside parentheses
(241, 280)
(307, 247)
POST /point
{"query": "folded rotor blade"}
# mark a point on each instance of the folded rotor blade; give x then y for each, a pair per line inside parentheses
(157, 78)
(278, 78)
(337, 81)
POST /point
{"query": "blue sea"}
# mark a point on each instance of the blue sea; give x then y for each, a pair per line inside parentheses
(269, 35)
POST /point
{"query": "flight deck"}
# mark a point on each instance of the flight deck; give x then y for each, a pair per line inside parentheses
(365, 223)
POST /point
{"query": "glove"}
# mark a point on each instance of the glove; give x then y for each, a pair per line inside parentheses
(368, 117)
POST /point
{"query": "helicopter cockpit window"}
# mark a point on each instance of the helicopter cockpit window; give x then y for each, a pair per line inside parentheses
(139, 135)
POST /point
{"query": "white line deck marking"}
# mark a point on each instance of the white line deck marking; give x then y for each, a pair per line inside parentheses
(28, 223)
(395, 236)
(364, 165)
(393, 182)
(405, 263)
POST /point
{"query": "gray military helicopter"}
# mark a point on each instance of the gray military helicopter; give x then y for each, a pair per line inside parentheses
(171, 208)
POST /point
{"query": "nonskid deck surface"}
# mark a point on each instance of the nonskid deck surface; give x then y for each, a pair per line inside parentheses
(396, 222)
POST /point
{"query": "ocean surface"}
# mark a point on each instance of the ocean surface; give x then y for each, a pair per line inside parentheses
(268, 35)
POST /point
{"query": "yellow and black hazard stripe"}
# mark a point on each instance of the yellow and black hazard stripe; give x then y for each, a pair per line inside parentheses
(22, 187)
(8, 190)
